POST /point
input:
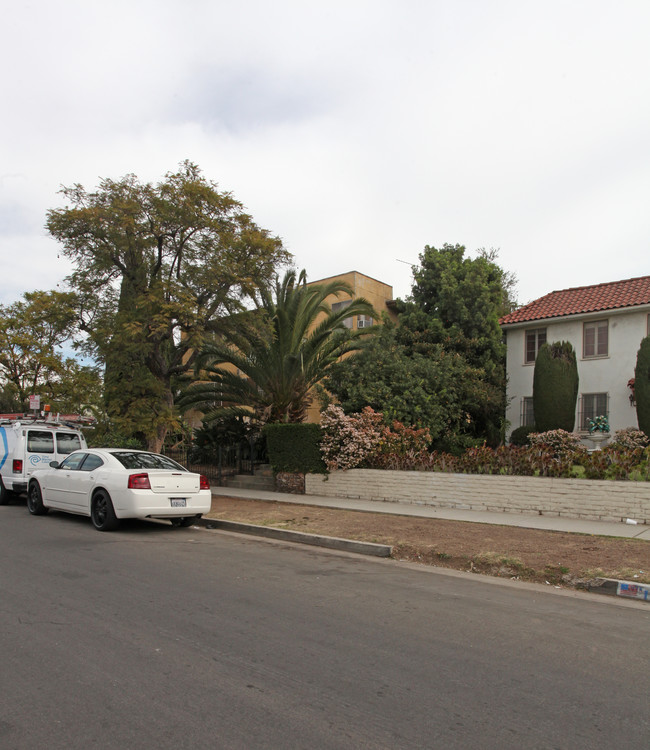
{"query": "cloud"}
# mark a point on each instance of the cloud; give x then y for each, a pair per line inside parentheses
(359, 131)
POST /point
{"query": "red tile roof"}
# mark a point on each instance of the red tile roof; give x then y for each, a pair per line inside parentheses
(584, 299)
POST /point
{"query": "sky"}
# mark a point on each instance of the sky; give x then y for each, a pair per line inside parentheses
(358, 131)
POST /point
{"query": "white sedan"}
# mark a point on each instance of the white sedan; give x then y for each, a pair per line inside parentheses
(108, 484)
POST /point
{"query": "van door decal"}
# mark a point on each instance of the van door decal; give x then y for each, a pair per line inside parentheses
(5, 447)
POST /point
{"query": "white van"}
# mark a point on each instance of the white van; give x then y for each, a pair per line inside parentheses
(27, 445)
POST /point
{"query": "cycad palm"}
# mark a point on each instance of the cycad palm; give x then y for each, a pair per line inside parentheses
(280, 351)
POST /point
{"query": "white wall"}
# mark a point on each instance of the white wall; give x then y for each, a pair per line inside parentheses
(571, 498)
(607, 375)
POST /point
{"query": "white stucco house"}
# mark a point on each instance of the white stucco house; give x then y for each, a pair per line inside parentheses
(605, 324)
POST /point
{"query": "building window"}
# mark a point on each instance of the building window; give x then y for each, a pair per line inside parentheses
(364, 321)
(647, 327)
(534, 339)
(527, 413)
(595, 340)
(348, 322)
(592, 405)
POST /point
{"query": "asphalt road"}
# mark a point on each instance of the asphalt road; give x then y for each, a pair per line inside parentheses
(153, 637)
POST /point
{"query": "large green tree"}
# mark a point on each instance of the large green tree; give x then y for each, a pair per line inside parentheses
(156, 268)
(266, 363)
(455, 304)
(34, 335)
(9, 403)
(433, 390)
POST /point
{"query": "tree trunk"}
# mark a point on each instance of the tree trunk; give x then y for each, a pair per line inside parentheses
(156, 440)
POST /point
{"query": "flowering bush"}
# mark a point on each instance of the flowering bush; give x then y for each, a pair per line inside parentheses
(402, 440)
(400, 445)
(361, 440)
(349, 438)
(506, 460)
(563, 444)
(511, 460)
(613, 462)
(538, 460)
(629, 437)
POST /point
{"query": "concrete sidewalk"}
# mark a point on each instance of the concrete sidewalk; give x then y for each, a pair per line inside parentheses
(551, 523)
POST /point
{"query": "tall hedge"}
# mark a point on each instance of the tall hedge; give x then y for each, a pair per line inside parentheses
(555, 387)
(642, 385)
(295, 447)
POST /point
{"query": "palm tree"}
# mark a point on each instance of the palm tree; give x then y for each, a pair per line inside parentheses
(276, 353)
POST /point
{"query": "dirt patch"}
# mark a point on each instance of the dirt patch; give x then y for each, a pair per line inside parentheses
(556, 557)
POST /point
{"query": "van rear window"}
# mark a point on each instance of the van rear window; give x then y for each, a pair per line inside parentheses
(67, 442)
(40, 441)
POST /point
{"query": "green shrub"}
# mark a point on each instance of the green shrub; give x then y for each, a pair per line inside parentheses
(294, 448)
(223, 433)
(107, 436)
(555, 387)
(519, 436)
(642, 385)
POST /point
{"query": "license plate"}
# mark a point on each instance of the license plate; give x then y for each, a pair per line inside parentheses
(178, 502)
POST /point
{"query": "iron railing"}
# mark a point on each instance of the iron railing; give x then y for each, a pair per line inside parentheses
(222, 461)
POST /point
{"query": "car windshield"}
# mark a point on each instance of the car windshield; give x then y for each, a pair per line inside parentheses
(147, 461)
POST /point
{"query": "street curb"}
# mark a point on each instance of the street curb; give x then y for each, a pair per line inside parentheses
(607, 586)
(331, 542)
(614, 587)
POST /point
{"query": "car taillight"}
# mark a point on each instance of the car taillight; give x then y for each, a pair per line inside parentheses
(17, 466)
(203, 483)
(139, 482)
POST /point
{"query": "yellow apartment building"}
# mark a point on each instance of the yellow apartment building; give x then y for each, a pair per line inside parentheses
(380, 296)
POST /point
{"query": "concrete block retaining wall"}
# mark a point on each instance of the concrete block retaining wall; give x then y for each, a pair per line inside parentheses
(572, 498)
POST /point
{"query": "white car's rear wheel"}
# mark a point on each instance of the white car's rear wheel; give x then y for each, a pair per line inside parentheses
(102, 513)
(35, 500)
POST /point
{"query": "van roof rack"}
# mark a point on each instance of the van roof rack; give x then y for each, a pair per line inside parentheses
(28, 419)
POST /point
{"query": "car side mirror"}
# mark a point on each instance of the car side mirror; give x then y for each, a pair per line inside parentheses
(54, 464)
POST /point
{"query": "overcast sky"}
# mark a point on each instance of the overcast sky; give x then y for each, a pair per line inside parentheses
(358, 131)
